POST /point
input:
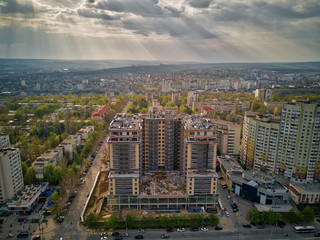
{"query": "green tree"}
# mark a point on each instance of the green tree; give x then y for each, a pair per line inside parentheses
(24, 167)
(308, 214)
(30, 176)
(170, 104)
(4, 119)
(292, 216)
(91, 220)
(52, 174)
(213, 220)
(254, 215)
(130, 221)
(113, 221)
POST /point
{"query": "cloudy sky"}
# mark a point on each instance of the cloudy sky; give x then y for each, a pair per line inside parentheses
(172, 30)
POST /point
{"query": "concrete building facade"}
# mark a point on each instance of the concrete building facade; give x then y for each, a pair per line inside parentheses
(228, 136)
(259, 142)
(124, 145)
(11, 178)
(200, 151)
(299, 142)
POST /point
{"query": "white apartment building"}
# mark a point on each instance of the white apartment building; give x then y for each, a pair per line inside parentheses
(11, 178)
(299, 142)
(259, 142)
(4, 141)
(50, 156)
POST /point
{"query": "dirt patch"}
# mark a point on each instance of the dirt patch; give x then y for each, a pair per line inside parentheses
(98, 194)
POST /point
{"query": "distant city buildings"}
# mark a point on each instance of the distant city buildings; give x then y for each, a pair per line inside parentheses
(153, 94)
(263, 94)
(176, 96)
(193, 97)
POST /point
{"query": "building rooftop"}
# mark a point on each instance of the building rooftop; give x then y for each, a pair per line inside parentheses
(124, 121)
(198, 122)
(101, 111)
(27, 196)
(305, 188)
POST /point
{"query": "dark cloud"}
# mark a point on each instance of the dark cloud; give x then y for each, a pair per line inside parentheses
(14, 6)
(200, 3)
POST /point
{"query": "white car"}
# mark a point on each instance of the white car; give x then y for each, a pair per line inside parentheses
(204, 229)
(227, 214)
(125, 235)
(229, 197)
(181, 230)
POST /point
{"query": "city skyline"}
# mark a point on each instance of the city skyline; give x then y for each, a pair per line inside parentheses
(188, 30)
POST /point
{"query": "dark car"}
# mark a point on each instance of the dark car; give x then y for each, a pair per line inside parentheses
(36, 237)
(224, 186)
(138, 237)
(218, 228)
(170, 230)
(118, 238)
(253, 223)
(318, 220)
(236, 210)
(260, 226)
(194, 229)
(246, 225)
(114, 234)
(234, 206)
(281, 224)
(317, 234)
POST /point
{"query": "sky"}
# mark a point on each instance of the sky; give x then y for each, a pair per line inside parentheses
(168, 30)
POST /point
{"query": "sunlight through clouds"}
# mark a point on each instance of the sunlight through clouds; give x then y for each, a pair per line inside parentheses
(182, 30)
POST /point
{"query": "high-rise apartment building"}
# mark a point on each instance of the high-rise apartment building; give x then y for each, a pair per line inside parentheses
(161, 141)
(153, 94)
(200, 148)
(11, 179)
(228, 136)
(124, 145)
(166, 87)
(259, 142)
(299, 142)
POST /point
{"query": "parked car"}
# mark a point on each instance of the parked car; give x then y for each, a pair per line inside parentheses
(281, 224)
(141, 231)
(234, 206)
(194, 229)
(118, 238)
(138, 237)
(165, 235)
(317, 234)
(204, 228)
(227, 214)
(125, 235)
(114, 234)
(181, 230)
(260, 226)
(10, 235)
(36, 237)
(224, 186)
(60, 219)
(229, 197)
(218, 228)
(170, 230)
(236, 210)
(246, 225)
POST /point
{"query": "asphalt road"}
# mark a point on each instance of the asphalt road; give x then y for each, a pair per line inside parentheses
(71, 227)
